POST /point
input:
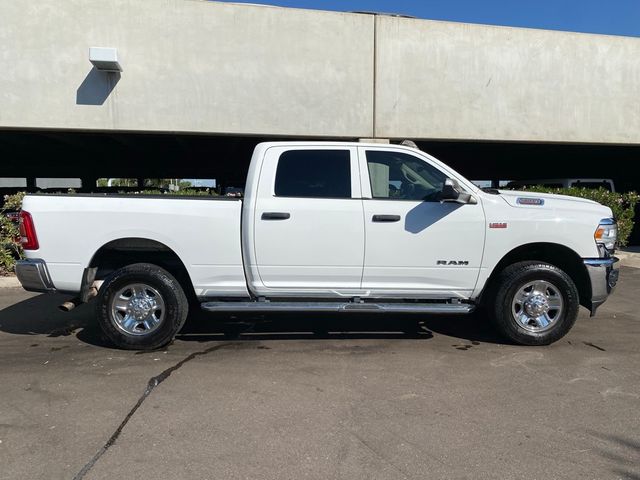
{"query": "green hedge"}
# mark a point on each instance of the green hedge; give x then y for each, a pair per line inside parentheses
(622, 204)
(10, 248)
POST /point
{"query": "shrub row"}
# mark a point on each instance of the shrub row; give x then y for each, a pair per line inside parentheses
(10, 248)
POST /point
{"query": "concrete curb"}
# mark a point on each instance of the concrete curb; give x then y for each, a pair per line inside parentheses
(629, 258)
(9, 282)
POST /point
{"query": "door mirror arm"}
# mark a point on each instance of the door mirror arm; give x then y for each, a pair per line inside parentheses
(453, 192)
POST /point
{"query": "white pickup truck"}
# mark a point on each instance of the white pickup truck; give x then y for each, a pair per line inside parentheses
(325, 227)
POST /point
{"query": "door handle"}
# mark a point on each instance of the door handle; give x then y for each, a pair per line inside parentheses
(276, 216)
(386, 218)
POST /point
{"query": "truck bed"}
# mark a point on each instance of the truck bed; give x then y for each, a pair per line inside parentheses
(204, 232)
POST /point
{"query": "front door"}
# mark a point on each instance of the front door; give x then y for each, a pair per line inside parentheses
(309, 229)
(416, 246)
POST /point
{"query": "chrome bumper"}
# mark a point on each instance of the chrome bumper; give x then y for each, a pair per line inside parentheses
(604, 276)
(34, 276)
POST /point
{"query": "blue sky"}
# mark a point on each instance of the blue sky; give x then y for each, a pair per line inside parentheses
(613, 17)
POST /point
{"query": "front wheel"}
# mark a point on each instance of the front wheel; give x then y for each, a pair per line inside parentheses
(535, 303)
(141, 307)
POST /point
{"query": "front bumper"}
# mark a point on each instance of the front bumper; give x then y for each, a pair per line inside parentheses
(34, 275)
(604, 277)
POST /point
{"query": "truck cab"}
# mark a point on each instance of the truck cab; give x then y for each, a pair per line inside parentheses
(359, 221)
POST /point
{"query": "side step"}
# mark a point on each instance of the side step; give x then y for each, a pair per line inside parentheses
(433, 308)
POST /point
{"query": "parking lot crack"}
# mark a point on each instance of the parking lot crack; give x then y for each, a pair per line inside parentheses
(380, 455)
(589, 344)
(151, 385)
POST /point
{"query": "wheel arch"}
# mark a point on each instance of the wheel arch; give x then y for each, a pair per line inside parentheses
(555, 254)
(125, 251)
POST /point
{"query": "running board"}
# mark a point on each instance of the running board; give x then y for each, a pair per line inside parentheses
(432, 308)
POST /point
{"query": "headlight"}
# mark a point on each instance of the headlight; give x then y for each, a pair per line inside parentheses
(606, 234)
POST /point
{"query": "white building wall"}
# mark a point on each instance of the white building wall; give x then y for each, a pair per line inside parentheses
(188, 66)
(210, 67)
(476, 82)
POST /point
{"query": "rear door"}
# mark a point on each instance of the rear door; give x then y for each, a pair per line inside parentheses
(308, 222)
(416, 246)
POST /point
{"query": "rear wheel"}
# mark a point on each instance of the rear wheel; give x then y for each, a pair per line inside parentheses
(141, 307)
(534, 303)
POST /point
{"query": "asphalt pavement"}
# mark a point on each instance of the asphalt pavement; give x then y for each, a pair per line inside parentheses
(319, 397)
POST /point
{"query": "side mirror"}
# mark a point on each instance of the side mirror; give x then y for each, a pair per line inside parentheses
(453, 192)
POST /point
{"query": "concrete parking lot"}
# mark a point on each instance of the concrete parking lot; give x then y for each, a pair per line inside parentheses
(374, 398)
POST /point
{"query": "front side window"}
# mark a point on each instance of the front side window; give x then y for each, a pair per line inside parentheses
(400, 176)
(314, 174)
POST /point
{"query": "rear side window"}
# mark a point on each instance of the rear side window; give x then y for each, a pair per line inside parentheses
(314, 174)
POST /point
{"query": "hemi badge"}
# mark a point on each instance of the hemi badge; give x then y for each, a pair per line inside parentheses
(498, 225)
(530, 201)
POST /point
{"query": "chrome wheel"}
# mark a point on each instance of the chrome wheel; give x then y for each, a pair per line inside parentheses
(537, 305)
(137, 309)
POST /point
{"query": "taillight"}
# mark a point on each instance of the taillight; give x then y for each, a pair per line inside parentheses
(28, 237)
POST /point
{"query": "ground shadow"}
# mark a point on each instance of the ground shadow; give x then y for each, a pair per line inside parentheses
(623, 452)
(96, 87)
(40, 316)
(294, 326)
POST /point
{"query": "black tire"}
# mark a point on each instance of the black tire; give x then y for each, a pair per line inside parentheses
(514, 321)
(171, 317)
